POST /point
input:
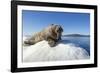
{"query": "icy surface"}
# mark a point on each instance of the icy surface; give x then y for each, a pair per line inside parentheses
(43, 52)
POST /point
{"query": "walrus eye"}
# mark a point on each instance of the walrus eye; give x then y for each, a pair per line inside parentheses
(58, 31)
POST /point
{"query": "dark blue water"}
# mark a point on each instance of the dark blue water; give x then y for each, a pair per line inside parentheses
(83, 42)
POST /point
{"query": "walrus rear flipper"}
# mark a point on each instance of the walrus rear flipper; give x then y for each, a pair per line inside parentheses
(29, 42)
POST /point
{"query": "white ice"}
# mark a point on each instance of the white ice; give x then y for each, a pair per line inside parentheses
(43, 52)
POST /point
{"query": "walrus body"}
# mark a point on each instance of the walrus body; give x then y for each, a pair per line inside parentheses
(52, 34)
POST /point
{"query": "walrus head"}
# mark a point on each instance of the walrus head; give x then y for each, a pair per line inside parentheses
(58, 31)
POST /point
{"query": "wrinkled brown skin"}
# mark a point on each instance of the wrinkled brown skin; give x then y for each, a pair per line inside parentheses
(52, 34)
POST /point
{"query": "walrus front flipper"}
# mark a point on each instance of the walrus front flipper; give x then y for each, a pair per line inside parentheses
(51, 42)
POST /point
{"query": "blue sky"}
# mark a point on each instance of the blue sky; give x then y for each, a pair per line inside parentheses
(72, 23)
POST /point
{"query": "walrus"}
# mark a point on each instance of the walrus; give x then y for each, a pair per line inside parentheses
(52, 34)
